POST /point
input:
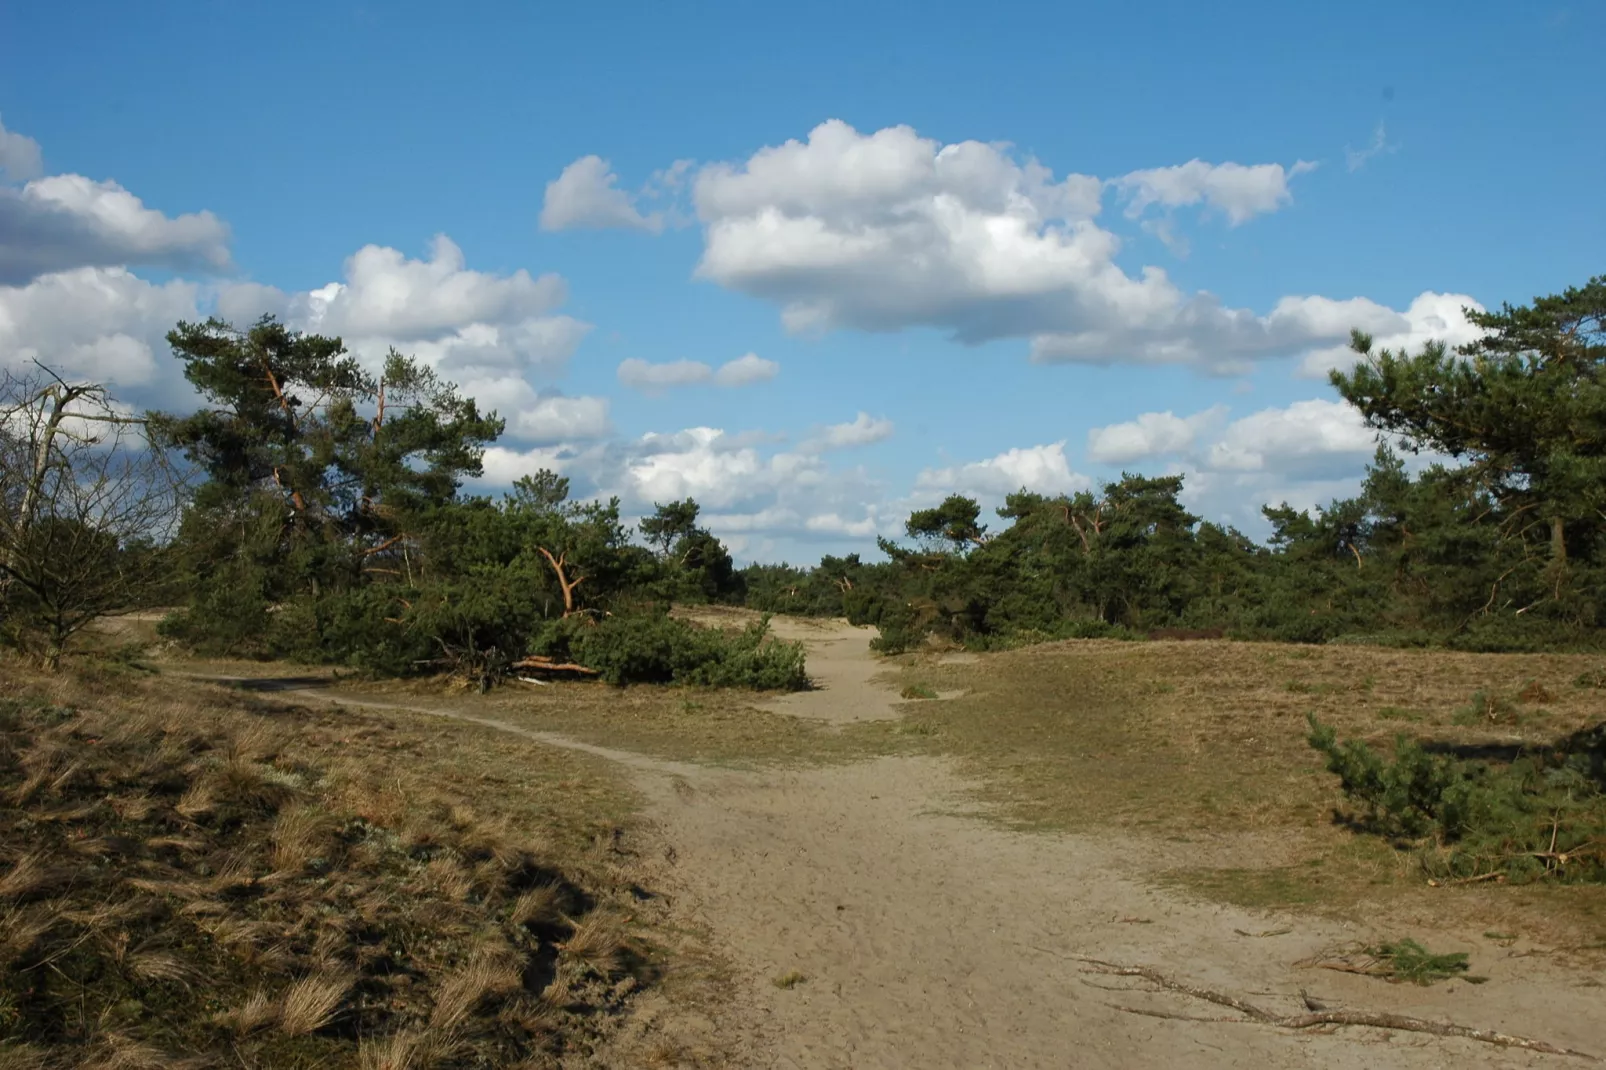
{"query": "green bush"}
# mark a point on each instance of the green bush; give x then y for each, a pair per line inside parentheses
(1541, 813)
(653, 647)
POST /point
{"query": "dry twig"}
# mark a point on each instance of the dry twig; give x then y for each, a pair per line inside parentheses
(1367, 1019)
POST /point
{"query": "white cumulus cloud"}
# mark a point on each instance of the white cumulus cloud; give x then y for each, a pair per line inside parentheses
(62, 222)
(1152, 434)
(888, 230)
(650, 378)
(862, 430)
(1237, 191)
(103, 324)
(1311, 437)
(1430, 317)
(746, 370)
(704, 463)
(20, 158)
(462, 321)
(1044, 469)
(643, 375)
(586, 196)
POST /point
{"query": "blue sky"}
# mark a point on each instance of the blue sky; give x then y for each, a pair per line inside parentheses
(923, 260)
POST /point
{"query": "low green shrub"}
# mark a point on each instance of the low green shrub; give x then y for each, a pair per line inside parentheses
(1408, 961)
(1487, 709)
(1525, 813)
(653, 647)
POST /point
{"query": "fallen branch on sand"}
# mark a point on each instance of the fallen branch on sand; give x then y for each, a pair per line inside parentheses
(1313, 1019)
(539, 663)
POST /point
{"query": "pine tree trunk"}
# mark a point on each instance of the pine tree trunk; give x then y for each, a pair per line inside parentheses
(1558, 541)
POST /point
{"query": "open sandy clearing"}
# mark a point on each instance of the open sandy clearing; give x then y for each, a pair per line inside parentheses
(909, 934)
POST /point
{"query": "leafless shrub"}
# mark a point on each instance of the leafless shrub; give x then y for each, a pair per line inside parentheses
(85, 502)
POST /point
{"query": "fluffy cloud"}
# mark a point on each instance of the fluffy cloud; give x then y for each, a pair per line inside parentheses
(652, 378)
(862, 430)
(1236, 191)
(704, 463)
(68, 221)
(103, 324)
(746, 484)
(746, 370)
(889, 230)
(20, 158)
(1315, 438)
(835, 524)
(1430, 317)
(436, 307)
(505, 464)
(1044, 469)
(1305, 453)
(488, 333)
(537, 417)
(1199, 331)
(586, 196)
(1153, 434)
(388, 294)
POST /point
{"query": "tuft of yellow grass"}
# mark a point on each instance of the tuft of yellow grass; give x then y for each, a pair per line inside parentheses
(310, 1003)
(256, 1012)
(151, 966)
(27, 876)
(300, 834)
(540, 905)
(448, 878)
(150, 805)
(462, 990)
(599, 942)
(409, 1049)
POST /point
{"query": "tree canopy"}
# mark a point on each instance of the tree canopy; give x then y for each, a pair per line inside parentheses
(1499, 542)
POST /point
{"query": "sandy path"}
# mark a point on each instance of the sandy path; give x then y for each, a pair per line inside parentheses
(930, 939)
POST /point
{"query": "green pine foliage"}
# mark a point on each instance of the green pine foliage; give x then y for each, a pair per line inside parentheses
(329, 526)
(1523, 813)
(653, 647)
(1500, 546)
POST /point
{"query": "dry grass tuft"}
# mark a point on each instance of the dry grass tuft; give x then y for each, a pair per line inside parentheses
(28, 876)
(255, 1013)
(462, 991)
(22, 1057)
(310, 1003)
(410, 1049)
(300, 834)
(153, 966)
(324, 875)
(448, 879)
(541, 905)
(599, 942)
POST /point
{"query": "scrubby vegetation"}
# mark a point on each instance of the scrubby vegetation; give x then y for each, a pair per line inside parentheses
(1482, 811)
(186, 881)
(327, 524)
(658, 648)
(1500, 544)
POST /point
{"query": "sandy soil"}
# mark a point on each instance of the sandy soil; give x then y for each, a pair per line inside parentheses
(927, 938)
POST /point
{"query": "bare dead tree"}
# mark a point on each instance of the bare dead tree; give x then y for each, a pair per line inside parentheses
(86, 504)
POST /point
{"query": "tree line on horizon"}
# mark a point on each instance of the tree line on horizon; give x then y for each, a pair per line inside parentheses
(1501, 548)
(310, 509)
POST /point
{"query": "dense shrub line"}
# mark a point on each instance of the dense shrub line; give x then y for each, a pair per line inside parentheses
(1501, 546)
